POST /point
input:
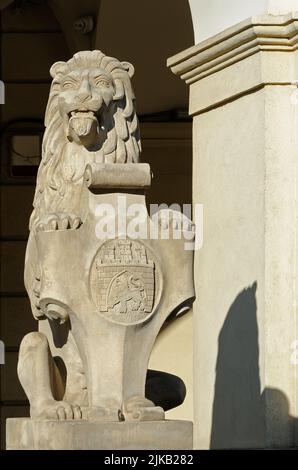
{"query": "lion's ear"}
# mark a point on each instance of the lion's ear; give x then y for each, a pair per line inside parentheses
(56, 67)
(129, 68)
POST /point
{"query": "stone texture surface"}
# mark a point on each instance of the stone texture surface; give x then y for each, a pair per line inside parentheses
(28, 434)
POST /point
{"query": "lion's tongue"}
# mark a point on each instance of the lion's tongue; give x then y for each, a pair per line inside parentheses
(82, 123)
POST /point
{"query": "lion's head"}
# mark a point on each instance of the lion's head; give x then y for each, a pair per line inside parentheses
(91, 109)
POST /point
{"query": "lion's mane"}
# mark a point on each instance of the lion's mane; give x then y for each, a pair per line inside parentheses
(123, 139)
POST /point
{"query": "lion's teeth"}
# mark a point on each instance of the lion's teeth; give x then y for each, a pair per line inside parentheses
(82, 113)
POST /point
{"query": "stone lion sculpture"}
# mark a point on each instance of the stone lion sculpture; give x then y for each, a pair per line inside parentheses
(90, 118)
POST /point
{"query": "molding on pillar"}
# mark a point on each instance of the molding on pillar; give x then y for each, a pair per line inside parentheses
(253, 49)
(265, 33)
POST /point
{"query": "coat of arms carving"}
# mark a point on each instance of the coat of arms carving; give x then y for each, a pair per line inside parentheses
(123, 281)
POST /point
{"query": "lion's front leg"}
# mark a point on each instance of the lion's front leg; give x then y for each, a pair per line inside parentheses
(58, 221)
(34, 375)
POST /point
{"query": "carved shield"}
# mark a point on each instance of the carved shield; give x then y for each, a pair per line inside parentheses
(123, 281)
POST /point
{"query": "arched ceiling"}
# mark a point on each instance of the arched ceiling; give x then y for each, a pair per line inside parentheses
(144, 32)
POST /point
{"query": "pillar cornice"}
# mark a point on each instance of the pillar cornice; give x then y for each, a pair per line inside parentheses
(249, 55)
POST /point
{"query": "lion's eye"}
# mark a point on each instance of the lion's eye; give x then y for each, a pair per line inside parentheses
(102, 82)
(68, 85)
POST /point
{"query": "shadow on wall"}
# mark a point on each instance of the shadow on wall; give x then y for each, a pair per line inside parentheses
(238, 419)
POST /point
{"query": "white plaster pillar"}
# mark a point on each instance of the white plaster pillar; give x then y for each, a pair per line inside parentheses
(244, 103)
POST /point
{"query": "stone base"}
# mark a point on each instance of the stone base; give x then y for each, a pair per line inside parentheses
(29, 434)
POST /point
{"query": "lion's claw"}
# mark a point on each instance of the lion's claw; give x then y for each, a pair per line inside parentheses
(59, 221)
(57, 410)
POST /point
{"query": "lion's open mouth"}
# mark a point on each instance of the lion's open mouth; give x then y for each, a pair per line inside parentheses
(81, 112)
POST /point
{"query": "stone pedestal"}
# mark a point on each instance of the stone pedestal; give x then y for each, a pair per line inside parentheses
(243, 98)
(30, 434)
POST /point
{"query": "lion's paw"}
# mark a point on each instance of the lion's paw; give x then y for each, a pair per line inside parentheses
(58, 221)
(57, 410)
(140, 409)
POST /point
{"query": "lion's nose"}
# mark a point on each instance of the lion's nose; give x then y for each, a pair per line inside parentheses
(84, 96)
(84, 92)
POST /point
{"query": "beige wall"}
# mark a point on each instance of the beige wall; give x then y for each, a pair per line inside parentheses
(229, 320)
(173, 352)
(244, 174)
